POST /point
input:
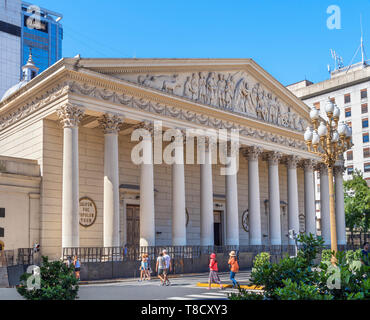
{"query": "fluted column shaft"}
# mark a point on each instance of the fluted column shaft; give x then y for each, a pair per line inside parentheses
(324, 204)
(206, 199)
(274, 198)
(147, 210)
(232, 211)
(309, 197)
(111, 125)
(178, 198)
(70, 117)
(339, 205)
(254, 204)
(293, 207)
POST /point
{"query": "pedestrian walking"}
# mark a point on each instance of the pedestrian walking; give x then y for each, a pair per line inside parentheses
(234, 268)
(168, 269)
(77, 264)
(160, 267)
(213, 272)
(148, 269)
(143, 267)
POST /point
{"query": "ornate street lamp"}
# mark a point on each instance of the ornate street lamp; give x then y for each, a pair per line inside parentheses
(329, 140)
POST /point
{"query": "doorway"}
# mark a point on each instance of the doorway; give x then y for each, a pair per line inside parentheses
(133, 225)
(217, 223)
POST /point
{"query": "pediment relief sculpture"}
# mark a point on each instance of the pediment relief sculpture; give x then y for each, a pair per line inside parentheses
(236, 92)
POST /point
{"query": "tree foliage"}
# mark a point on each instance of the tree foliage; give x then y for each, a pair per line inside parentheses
(58, 282)
(357, 202)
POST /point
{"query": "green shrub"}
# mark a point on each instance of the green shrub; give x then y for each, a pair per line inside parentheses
(326, 255)
(300, 291)
(298, 278)
(260, 259)
(353, 255)
(310, 247)
(58, 282)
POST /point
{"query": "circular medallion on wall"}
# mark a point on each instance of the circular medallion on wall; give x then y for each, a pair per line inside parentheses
(245, 220)
(88, 212)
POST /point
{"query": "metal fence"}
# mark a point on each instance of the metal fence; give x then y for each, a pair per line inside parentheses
(133, 253)
(22, 256)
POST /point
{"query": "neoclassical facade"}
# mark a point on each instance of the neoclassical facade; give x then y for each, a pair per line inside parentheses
(78, 119)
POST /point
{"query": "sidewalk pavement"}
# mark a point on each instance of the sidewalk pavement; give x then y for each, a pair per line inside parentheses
(154, 278)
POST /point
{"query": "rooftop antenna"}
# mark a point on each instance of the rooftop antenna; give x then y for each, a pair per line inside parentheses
(362, 47)
(338, 60)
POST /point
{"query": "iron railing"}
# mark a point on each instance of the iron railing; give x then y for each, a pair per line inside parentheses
(21, 256)
(134, 253)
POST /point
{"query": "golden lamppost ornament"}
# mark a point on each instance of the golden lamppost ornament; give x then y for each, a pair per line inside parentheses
(329, 140)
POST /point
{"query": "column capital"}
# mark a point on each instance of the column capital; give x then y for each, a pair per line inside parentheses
(308, 164)
(322, 168)
(110, 123)
(252, 152)
(291, 161)
(273, 157)
(70, 115)
(339, 169)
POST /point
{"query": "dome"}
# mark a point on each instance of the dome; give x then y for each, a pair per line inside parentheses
(13, 89)
(29, 72)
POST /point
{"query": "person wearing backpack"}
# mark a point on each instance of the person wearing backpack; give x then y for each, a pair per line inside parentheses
(213, 272)
(234, 268)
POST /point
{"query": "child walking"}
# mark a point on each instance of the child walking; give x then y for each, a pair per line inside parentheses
(213, 272)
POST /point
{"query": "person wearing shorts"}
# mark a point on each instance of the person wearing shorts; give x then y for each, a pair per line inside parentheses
(167, 259)
(160, 268)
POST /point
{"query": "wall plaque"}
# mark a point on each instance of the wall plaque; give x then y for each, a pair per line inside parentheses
(88, 212)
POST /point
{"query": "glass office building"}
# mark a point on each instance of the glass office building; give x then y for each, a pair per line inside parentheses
(44, 36)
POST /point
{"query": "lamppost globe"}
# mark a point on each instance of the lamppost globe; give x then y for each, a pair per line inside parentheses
(335, 137)
(342, 129)
(315, 138)
(336, 112)
(348, 131)
(329, 107)
(314, 113)
(308, 134)
(322, 130)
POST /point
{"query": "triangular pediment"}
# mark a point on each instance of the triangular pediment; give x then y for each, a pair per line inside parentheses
(237, 86)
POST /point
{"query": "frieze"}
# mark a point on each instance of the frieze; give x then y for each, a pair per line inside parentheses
(174, 112)
(235, 92)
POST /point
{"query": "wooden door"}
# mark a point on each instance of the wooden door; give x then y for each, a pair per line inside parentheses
(133, 225)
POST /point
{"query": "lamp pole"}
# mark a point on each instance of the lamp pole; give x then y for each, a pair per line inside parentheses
(329, 141)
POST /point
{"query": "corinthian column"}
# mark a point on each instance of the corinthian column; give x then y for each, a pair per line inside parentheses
(147, 210)
(111, 125)
(178, 197)
(206, 197)
(254, 210)
(70, 116)
(293, 208)
(309, 197)
(274, 198)
(324, 203)
(339, 205)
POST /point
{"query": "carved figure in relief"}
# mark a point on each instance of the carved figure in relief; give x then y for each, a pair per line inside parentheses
(273, 110)
(194, 86)
(238, 101)
(170, 86)
(229, 91)
(187, 88)
(221, 90)
(212, 89)
(202, 88)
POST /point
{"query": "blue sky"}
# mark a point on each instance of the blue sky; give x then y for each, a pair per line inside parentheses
(289, 38)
